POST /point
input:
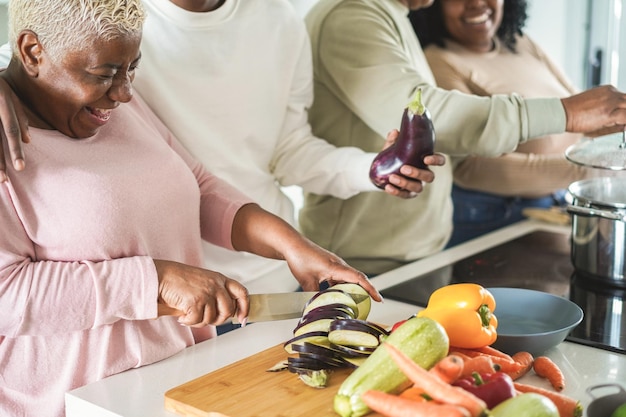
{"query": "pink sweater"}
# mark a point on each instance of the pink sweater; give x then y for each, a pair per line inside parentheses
(80, 227)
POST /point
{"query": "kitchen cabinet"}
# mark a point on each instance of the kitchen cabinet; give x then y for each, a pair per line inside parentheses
(140, 392)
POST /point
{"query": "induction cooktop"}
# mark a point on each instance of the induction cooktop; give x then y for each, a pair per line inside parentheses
(539, 260)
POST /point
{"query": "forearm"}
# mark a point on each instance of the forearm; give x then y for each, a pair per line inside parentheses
(262, 233)
(48, 297)
(518, 174)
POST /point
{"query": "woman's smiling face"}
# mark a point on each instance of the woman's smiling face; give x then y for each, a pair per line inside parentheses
(86, 85)
(473, 23)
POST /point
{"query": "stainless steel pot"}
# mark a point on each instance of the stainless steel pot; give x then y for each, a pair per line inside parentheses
(599, 228)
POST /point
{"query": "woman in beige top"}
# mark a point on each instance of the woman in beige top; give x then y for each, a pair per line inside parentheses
(478, 47)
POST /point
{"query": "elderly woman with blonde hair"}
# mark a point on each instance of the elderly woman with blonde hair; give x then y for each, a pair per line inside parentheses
(100, 252)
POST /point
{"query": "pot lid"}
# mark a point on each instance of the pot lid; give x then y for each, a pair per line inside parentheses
(606, 152)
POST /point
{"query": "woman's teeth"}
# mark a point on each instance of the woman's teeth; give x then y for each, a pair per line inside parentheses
(102, 114)
(477, 19)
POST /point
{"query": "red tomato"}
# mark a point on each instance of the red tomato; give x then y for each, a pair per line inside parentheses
(398, 324)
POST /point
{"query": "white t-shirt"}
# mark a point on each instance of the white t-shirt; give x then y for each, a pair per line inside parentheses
(234, 86)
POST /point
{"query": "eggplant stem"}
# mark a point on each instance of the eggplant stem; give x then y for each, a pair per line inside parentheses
(416, 106)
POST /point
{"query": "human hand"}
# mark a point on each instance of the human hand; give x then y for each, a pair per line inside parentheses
(600, 109)
(411, 182)
(198, 296)
(14, 129)
(312, 265)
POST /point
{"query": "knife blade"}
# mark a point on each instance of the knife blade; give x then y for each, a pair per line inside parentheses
(277, 306)
(282, 306)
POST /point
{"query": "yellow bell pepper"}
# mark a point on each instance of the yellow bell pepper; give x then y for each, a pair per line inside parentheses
(466, 313)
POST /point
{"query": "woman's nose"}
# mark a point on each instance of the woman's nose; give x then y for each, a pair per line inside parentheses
(121, 90)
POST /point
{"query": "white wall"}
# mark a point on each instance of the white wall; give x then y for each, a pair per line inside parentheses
(560, 28)
(3, 23)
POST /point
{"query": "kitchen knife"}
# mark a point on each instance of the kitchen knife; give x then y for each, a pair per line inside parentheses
(277, 306)
(281, 306)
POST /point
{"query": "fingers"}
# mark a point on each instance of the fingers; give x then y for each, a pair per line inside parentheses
(391, 138)
(356, 277)
(411, 182)
(436, 159)
(239, 293)
(340, 271)
(165, 310)
(197, 296)
(310, 284)
(213, 311)
(14, 130)
(595, 109)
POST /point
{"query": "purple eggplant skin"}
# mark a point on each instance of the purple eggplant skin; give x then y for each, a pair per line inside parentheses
(415, 141)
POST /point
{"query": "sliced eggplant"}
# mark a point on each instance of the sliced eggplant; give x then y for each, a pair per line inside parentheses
(358, 293)
(298, 364)
(354, 351)
(312, 337)
(355, 333)
(328, 297)
(321, 325)
(326, 349)
(355, 324)
(325, 311)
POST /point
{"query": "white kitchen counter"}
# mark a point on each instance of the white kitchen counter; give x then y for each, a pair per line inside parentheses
(140, 392)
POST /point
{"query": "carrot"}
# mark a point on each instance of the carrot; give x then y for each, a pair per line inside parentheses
(449, 369)
(525, 363)
(394, 406)
(546, 368)
(490, 350)
(506, 364)
(482, 364)
(414, 394)
(460, 355)
(465, 351)
(436, 388)
(567, 406)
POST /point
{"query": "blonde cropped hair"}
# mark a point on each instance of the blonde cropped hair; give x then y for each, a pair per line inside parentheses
(70, 25)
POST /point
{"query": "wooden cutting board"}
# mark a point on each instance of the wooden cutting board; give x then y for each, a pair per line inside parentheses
(246, 389)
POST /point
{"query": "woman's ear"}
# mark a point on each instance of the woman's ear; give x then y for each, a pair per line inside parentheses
(30, 51)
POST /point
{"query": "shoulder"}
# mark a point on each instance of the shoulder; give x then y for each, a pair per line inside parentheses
(526, 45)
(357, 21)
(276, 18)
(350, 10)
(444, 57)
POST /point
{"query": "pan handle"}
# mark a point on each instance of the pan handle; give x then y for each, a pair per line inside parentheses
(588, 211)
(591, 393)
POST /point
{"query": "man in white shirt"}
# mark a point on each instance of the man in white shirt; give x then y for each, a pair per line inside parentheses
(233, 80)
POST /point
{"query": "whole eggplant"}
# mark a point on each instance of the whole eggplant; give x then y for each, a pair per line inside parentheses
(415, 141)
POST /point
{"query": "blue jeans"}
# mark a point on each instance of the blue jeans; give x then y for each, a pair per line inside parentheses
(477, 213)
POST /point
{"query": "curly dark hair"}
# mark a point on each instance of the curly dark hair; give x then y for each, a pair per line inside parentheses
(429, 27)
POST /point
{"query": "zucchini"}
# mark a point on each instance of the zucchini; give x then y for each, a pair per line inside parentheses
(421, 338)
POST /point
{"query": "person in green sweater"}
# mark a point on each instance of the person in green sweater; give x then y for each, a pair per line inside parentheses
(368, 64)
(480, 48)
